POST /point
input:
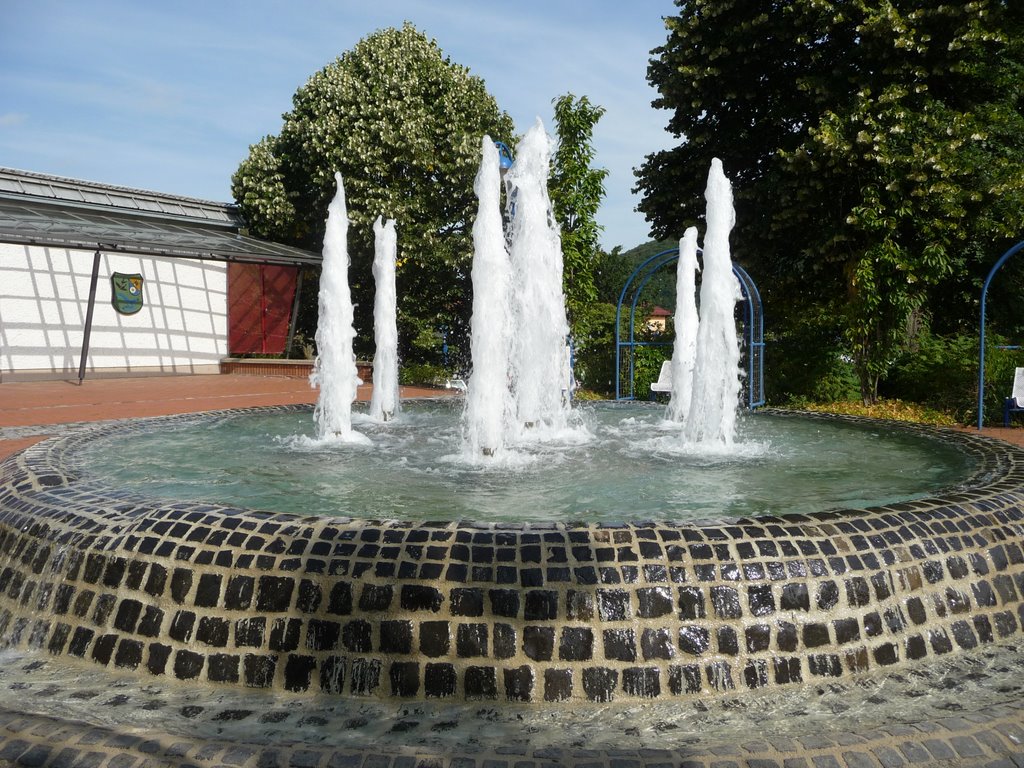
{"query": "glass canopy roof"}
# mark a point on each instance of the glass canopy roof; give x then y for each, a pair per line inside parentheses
(66, 213)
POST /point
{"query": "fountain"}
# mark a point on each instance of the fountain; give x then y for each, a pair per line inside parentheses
(539, 355)
(684, 353)
(143, 629)
(384, 404)
(489, 406)
(711, 420)
(334, 370)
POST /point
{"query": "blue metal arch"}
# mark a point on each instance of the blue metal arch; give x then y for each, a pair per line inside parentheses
(981, 340)
(753, 327)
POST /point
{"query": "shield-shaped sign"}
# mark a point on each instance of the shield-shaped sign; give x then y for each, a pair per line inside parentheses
(127, 293)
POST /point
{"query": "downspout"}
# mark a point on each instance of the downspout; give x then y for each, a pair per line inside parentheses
(87, 331)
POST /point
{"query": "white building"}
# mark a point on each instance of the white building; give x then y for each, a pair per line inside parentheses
(207, 291)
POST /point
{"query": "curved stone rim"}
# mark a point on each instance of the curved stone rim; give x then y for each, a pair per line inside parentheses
(549, 612)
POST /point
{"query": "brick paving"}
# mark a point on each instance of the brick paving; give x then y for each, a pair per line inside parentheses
(37, 408)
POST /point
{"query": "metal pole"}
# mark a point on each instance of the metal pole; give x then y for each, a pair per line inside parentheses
(88, 317)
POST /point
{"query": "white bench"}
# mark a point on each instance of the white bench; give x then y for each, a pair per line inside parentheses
(664, 382)
(1015, 402)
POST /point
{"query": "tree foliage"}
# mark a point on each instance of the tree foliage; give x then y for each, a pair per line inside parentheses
(403, 124)
(876, 148)
(576, 191)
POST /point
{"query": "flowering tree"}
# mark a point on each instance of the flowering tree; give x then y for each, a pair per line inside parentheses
(402, 123)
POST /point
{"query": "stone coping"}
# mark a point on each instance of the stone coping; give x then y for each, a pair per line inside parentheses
(559, 615)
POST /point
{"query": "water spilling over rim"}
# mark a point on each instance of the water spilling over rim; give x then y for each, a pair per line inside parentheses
(620, 463)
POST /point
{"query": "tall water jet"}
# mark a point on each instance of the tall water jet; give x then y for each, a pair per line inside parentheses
(488, 399)
(541, 371)
(384, 403)
(716, 384)
(684, 353)
(334, 370)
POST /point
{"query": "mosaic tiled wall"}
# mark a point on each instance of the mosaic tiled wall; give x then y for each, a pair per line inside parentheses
(552, 613)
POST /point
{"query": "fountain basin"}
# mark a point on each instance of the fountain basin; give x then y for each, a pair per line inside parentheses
(503, 615)
(622, 463)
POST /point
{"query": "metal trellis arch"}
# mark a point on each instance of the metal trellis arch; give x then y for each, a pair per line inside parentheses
(981, 335)
(753, 328)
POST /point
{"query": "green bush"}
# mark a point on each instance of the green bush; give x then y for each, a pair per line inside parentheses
(646, 369)
(942, 372)
(806, 362)
(424, 374)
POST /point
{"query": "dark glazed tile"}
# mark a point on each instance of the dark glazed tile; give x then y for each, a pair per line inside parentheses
(435, 638)
(541, 605)
(579, 606)
(222, 668)
(654, 602)
(538, 642)
(298, 671)
(418, 597)
(576, 644)
(467, 601)
(208, 591)
(557, 684)
(795, 597)
(684, 679)
(758, 638)
(599, 683)
(644, 682)
(481, 683)
(761, 600)
(657, 643)
(332, 675)
(284, 634)
(504, 602)
(691, 603)
(613, 605)
(396, 636)
(504, 641)
(619, 644)
(471, 640)
(693, 639)
(519, 683)
(365, 676)
(726, 602)
(439, 680)
(727, 641)
(310, 596)
(188, 665)
(274, 593)
(239, 592)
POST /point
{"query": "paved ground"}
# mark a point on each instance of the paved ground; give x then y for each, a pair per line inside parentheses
(37, 407)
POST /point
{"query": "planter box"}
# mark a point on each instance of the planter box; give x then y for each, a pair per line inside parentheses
(296, 369)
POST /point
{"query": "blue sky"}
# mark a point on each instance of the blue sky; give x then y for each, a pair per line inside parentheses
(168, 96)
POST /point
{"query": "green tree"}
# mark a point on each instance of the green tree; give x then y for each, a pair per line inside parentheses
(576, 191)
(875, 147)
(403, 124)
